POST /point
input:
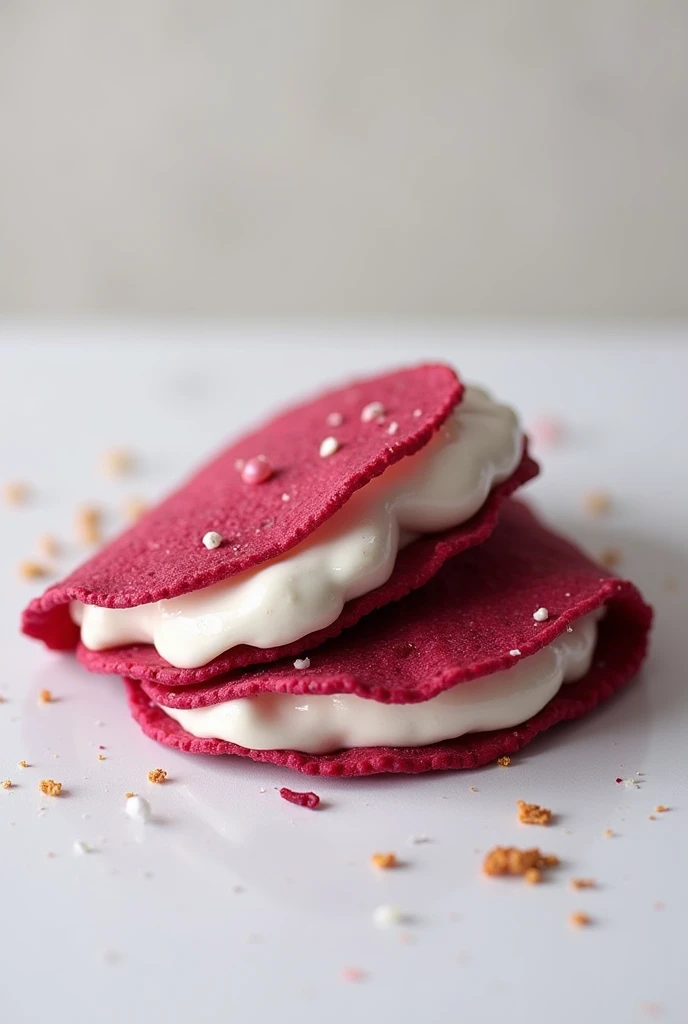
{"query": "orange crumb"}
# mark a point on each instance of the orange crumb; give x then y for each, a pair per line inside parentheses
(7, 784)
(24, 764)
(157, 775)
(50, 787)
(48, 545)
(384, 860)
(504, 761)
(533, 814)
(133, 509)
(30, 570)
(127, 795)
(16, 492)
(579, 919)
(608, 834)
(101, 757)
(45, 696)
(611, 558)
(509, 860)
(533, 876)
(660, 808)
(117, 462)
(87, 522)
(583, 883)
(651, 817)
(598, 503)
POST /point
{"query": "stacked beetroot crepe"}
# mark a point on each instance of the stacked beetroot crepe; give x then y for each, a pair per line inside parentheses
(350, 590)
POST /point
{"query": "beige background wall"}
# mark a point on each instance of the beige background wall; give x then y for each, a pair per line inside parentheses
(524, 157)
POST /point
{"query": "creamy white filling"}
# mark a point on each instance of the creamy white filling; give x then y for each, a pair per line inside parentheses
(352, 553)
(323, 723)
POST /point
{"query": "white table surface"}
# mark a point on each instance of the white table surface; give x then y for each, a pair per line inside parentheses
(236, 906)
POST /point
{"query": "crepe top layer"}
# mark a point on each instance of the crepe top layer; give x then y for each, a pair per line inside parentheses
(474, 619)
(162, 556)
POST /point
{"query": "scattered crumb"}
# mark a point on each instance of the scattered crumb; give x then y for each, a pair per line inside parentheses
(30, 570)
(472, 789)
(652, 1009)
(579, 919)
(608, 834)
(301, 663)
(660, 808)
(156, 774)
(583, 883)
(48, 545)
(88, 523)
(7, 784)
(101, 757)
(385, 916)
(49, 787)
(353, 973)
(328, 447)
(24, 764)
(541, 615)
(16, 492)
(137, 807)
(671, 585)
(384, 860)
(117, 462)
(611, 558)
(533, 814)
(533, 876)
(127, 795)
(372, 411)
(651, 817)
(508, 860)
(546, 431)
(504, 761)
(211, 540)
(309, 799)
(417, 840)
(45, 697)
(658, 905)
(597, 503)
(79, 848)
(133, 509)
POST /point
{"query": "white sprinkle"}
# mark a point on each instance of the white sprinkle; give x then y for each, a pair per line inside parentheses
(393, 427)
(212, 540)
(335, 419)
(286, 497)
(417, 413)
(569, 629)
(372, 411)
(80, 848)
(385, 916)
(541, 615)
(137, 807)
(239, 464)
(628, 783)
(515, 653)
(416, 840)
(328, 447)
(302, 663)
(567, 594)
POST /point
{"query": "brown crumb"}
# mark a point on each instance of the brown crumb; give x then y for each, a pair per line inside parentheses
(50, 787)
(128, 795)
(660, 808)
(583, 883)
(24, 764)
(16, 492)
(651, 817)
(87, 522)
(117, 462)
(45, 696)
(133, 509)
(611, 558)
(509, 860)
(472, 789)
(533, 876)
(7, 784)
(30, 570)
(48, 545)
(504, 761)
(579, 919)
(608, 834)
(157, 775)
(384, 860)
(598, 503)
(533, 814)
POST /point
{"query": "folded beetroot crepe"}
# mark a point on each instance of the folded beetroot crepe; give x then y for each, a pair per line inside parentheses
(496, 632)
(311, 467)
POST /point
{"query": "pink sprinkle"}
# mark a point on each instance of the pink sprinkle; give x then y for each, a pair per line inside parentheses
(310, 800)
(257, 470)
(353, 974)
(547, 431)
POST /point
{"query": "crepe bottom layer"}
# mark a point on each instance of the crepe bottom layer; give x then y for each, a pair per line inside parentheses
(463, 625)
